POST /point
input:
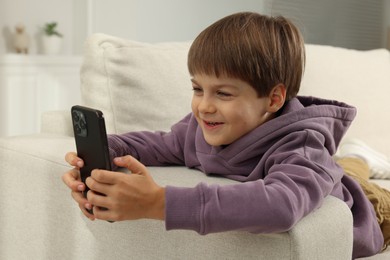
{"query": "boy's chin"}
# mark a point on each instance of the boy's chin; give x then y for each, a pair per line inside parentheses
(213, 142)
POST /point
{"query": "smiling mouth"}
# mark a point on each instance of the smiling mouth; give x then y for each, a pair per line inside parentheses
(212, 124)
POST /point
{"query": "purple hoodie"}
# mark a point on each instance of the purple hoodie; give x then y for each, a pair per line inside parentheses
(285, 166)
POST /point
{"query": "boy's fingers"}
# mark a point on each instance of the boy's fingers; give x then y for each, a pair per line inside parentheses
(132, 164)
(104, 176)
(86, 213)
(109, 177)
(71, 179)
(70, 156)
(102, 213)
(99, 186)
(79, 197)
(73, 160)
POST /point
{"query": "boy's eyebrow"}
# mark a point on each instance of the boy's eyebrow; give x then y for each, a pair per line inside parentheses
(216, 85)
(193, 81)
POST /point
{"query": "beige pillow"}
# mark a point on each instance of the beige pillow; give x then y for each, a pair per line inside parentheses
(359, 78)
(138, 86)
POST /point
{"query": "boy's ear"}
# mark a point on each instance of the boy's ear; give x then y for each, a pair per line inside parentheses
(277, 97)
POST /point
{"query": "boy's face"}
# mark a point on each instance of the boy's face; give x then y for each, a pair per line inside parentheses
(227, 108)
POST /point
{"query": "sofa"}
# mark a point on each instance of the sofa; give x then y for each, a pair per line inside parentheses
(145, 86)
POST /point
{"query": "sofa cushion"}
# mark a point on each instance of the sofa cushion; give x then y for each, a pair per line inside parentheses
(138, 86)
(359, 78)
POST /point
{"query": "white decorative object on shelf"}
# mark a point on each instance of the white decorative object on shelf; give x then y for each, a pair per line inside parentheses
(51, 39)
(51, 44)
(21, 39)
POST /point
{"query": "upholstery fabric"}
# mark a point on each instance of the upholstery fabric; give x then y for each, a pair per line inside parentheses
(150, 89)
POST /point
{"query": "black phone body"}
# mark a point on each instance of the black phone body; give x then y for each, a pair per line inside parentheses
(91, 140)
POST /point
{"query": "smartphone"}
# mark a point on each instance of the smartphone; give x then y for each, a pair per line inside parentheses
(91, 140)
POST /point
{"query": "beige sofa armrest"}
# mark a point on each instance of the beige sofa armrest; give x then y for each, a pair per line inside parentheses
(326, 233)
(57, 122)
(38, 215)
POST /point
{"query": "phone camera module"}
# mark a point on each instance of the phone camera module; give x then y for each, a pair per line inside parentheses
(80, 124)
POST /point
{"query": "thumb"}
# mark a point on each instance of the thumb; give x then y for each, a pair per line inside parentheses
(132, 164)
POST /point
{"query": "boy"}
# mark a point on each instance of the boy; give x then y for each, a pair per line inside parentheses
(247, 124)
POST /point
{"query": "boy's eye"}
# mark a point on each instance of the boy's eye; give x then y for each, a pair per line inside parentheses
(197, 90)
(223, 94)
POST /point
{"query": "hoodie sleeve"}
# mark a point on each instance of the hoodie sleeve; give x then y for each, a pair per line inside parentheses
(296, 183)
(153, 148)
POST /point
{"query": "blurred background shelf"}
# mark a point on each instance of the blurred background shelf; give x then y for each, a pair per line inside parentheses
(31, 85)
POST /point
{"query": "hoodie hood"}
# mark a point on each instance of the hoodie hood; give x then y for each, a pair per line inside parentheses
(327, 118)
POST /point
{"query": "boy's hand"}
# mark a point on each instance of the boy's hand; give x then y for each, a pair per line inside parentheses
(73, 181)
(126, 196)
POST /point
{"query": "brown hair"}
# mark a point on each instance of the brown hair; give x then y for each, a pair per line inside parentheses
(260, 50)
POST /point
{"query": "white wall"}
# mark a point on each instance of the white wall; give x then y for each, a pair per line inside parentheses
(168, 20)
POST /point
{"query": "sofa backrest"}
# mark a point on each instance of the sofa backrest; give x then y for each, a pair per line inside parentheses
(142, 86)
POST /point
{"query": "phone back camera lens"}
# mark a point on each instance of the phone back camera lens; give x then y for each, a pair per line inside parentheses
(76, 116)
(78, 130)
(82, 124)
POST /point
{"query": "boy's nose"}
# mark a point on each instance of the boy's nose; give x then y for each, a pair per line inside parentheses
(206, 106)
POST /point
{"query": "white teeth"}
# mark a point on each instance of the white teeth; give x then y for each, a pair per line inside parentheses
(210, 123)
